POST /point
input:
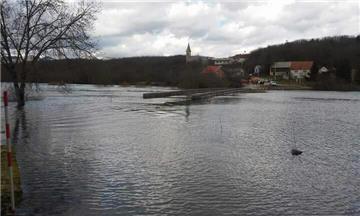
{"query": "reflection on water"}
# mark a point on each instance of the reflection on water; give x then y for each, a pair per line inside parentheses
(106, 151)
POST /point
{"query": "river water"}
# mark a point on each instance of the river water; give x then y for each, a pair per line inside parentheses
(106, 151)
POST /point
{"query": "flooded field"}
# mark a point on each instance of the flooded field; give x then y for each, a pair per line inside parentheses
(106, 151)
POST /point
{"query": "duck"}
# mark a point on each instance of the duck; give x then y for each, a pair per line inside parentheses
(296, 152)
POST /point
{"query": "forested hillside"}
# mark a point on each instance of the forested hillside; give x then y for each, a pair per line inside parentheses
(341, 52)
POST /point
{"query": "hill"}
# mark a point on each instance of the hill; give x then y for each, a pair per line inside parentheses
(341, 52)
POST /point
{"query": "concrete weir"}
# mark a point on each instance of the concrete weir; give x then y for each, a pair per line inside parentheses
(176, 93)
(200, 94)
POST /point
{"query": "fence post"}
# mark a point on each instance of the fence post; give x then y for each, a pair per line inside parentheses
(9, 150)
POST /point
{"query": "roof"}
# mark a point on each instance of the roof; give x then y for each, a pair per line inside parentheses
(301, 65)
(214, 70)
(241, 56)
(281, 64)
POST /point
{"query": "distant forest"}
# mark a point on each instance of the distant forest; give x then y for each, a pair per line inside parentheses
(166, 70)
(342, 52)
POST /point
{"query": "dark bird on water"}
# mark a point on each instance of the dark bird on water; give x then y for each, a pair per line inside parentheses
(296, 152)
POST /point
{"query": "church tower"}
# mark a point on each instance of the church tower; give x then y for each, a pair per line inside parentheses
(188, 54)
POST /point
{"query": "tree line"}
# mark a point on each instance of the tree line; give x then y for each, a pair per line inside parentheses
(147, 70)
(341, 52)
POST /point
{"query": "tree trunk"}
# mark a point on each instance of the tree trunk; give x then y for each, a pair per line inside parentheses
(19, 88)
(20, 91)
(20, 96)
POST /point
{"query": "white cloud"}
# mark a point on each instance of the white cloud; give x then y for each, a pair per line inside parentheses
(217, 28)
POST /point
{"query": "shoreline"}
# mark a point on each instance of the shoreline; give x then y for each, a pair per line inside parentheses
(311, 88)
(256, 86)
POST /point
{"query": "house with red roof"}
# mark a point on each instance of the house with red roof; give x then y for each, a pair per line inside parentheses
(300, 69)
(216, 70)
(292, 69)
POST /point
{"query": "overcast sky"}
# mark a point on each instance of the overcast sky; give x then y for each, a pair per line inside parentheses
(217, 28)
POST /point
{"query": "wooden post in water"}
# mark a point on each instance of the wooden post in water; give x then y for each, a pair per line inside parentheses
(9, 150)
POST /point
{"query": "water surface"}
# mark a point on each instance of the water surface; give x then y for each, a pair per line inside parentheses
(106, 151)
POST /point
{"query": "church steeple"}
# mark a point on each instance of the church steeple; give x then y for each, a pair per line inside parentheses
(188, 53)
(188, 50)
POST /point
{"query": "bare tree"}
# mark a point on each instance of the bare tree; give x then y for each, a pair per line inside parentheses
(35, 29)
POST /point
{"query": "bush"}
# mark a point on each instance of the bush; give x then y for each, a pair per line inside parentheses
(212, 81)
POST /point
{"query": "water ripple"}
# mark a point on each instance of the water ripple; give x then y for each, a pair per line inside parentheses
(121, 155)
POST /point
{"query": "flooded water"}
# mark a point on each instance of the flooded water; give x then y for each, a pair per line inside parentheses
(107, 151)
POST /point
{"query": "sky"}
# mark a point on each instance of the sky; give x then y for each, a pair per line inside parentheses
(216, 28)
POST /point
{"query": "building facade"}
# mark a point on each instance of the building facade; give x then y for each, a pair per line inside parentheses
(223, 61)
(280, 70)
(296, 70)
(300, 69)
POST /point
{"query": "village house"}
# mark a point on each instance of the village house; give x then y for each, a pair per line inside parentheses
(280, 70)
(297, 70)
(223, 61)
(237, 59)
(257, 70)
(326, 72)
(216, 70)
(300, 69)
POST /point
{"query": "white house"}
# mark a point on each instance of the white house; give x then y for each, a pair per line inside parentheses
(300, 69)
(323, 69)
(223, 61)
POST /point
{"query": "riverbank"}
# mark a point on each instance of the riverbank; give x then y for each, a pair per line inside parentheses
(5, 181)
(286, 87)
(320, 85)
(312, 87)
